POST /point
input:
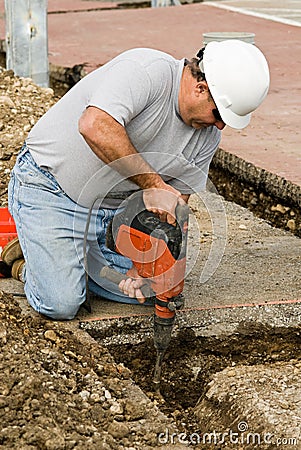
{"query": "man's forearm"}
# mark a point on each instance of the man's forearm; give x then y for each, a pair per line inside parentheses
(110, 142)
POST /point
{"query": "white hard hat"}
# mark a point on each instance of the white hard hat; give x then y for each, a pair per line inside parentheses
(238, 78)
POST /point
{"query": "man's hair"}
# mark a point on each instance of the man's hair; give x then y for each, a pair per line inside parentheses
(194, 66)
(195, 70)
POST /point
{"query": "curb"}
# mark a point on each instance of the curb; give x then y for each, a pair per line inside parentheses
(267, 195)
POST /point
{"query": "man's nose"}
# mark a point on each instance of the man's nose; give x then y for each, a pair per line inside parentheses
(220, 124)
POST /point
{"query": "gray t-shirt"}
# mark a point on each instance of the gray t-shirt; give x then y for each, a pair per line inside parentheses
(139, 89)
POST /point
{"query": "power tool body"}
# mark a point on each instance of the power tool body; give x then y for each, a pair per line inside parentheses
(158, 252)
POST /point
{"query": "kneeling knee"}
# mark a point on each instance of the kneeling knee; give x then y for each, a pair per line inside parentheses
(60, 311)
(59, 307)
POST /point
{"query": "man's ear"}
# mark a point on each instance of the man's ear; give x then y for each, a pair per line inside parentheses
(201, 87)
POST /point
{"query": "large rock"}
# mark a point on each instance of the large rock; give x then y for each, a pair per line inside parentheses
(249, 407)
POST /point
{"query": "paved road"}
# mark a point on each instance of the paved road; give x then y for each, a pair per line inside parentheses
(283, 11)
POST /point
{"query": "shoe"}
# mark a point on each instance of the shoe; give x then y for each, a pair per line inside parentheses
(17, 269)
(11, 252)
(5, 270)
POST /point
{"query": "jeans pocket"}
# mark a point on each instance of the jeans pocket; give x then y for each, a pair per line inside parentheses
(30, 175)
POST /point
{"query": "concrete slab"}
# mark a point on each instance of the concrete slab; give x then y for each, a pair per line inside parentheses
(257, 407)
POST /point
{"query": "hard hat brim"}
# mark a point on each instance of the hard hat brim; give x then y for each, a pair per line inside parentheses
(229, 118)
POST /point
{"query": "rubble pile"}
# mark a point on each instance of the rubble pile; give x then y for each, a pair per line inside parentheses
(22, 103)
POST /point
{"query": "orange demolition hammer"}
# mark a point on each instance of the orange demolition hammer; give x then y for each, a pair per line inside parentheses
(158, 252)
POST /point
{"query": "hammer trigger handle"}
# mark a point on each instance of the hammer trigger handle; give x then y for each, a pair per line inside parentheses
(114, 276)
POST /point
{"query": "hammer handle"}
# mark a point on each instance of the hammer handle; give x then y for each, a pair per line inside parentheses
(114, 276)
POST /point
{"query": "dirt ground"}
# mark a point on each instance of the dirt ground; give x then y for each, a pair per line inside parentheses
(59, 389)
(192, 362)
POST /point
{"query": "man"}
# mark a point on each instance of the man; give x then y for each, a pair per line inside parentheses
(143, 121)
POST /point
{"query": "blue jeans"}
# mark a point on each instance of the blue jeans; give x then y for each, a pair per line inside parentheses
(51, 229)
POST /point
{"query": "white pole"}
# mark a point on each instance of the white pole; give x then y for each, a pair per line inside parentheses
(27, 39)
(162, 3)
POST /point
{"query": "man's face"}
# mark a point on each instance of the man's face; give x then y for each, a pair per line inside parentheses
(197, 108)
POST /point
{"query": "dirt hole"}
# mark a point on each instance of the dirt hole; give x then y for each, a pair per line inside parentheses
(191, 361)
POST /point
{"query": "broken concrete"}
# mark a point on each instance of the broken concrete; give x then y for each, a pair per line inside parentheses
(254, 406)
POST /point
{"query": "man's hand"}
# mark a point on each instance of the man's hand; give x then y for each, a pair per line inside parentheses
(131, 287)
(163, 202)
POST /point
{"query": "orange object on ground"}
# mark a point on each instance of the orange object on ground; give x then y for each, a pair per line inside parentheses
(7, 228)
